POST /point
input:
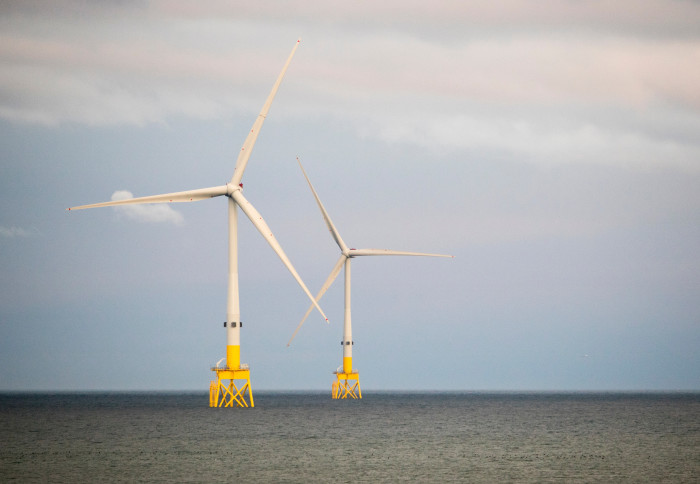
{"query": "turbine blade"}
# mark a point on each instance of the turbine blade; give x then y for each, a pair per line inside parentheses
(326, 217)
(186, 196)
(361, 252)
(324, 288)
(247, 148)
(262, 227)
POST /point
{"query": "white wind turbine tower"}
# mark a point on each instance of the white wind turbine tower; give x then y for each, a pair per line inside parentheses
(347, 384)
(220, 393)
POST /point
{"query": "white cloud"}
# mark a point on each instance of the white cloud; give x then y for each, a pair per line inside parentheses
(148, 213)
(11, 232)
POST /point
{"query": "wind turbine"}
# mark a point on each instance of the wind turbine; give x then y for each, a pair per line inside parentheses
(344, 387)
(221, 394)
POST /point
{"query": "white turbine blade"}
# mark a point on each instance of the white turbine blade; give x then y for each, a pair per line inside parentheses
(329, 223)
(187, 196)
(247, 148)
(361, 252)
(324, 288)
(262, 227)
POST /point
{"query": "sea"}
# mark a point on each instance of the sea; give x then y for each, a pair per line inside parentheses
(385, 437)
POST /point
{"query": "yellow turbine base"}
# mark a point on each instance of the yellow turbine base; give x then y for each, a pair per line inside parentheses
(222, 394)
(347, 385)
(233, 356)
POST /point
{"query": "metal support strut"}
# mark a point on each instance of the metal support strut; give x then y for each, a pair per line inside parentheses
(346, 386)
(230, 395)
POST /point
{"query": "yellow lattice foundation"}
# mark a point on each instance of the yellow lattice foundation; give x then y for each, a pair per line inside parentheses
(347, 385)
(230, 395)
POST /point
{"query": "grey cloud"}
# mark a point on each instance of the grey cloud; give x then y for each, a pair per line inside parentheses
(612, 91)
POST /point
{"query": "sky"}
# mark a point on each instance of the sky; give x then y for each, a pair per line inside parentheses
(553, 151)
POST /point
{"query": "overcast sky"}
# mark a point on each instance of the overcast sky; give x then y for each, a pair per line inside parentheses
(553, 150)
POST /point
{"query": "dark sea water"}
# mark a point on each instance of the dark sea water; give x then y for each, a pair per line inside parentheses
(385, 437)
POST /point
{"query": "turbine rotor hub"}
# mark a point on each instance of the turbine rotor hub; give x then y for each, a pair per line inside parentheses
(230, 189)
